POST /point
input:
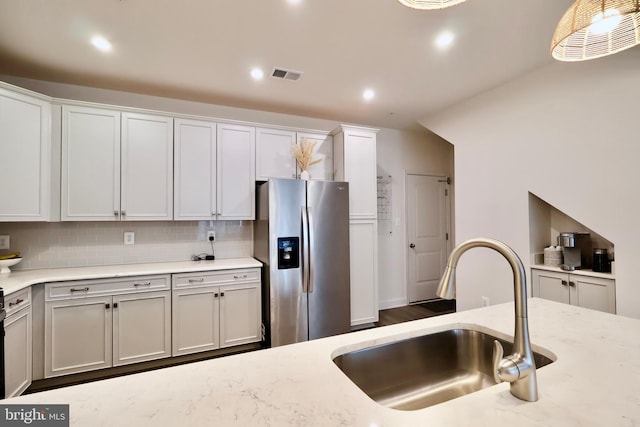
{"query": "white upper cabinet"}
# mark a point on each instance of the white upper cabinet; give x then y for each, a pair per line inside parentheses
(355, 162)
(236, 172)
(275, 157)
(25, 157)
(116, 165)
(90, 164)
(274, 154)
(323, 150)
(147, 167)
(195, 170)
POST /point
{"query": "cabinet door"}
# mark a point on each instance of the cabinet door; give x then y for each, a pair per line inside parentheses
(141, 327)
(195, 170)
(593, 292)
(363, 238)
(78, 336)
(195, 321)
(551, 285)
(356, 163)
(323, 149)
(25, 156)
(274, 154)
(17, 356)
(147, 167)
(236, 172)
(240, 314)
(90, 164)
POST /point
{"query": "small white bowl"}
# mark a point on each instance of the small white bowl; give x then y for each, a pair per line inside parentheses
(6, 263)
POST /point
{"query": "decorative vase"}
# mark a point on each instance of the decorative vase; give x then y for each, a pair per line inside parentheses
(304, 175)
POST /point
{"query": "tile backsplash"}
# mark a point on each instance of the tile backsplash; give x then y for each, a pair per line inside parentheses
(75, 244)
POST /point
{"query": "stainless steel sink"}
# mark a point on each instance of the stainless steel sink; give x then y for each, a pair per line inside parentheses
(424, 371)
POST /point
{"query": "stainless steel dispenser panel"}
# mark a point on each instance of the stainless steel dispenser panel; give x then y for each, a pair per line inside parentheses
(288, 303)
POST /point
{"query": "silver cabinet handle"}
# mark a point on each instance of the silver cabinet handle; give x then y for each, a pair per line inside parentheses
(18, 301)
(200, 280)
(79, 290)
(138, 284)
(238, 276)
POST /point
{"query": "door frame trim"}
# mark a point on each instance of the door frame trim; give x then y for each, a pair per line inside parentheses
(449, 217)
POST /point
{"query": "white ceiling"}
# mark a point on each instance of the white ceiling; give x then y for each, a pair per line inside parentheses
(203, 50)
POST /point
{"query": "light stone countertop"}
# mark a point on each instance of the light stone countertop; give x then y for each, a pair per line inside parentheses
(20, 279)
(595, 381)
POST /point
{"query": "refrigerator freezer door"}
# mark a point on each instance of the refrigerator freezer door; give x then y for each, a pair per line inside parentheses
(288, 304)
(329, 296)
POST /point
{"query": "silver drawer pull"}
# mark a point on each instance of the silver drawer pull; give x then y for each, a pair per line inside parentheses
(239, 276)
(137, 284)
(200, 280)
(79, 290)
(18, 301)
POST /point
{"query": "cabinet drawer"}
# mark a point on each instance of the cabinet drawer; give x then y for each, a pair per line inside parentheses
(123, 285)
(17, 300)
(193, 280)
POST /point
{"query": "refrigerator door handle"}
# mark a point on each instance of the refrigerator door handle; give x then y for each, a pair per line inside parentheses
(310, 240)
(305, 250)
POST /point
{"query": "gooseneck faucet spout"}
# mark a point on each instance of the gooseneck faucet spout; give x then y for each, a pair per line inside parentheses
(519, 368)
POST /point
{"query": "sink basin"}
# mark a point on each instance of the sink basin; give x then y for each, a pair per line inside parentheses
(423, 371)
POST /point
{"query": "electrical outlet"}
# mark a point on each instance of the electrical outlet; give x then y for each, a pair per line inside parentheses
(129, 237)
(485, 301)
(5, 242)
(211, 235)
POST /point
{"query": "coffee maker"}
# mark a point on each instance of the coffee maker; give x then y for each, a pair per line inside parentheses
(576, 250)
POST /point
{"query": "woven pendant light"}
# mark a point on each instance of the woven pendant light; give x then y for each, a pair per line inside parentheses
(591, 29)
(430, 4)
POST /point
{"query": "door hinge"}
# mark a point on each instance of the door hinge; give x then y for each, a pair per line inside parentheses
(446, 236)
(446, 192)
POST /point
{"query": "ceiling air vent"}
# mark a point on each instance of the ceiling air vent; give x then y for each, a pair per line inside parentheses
(282, 73)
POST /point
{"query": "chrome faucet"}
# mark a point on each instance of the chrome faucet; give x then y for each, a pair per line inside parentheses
(519, 368)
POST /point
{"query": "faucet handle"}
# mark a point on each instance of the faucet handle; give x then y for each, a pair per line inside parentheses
(498, 353)
(504, 368)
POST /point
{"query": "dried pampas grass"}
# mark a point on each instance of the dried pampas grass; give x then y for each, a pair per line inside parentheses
(304, 154)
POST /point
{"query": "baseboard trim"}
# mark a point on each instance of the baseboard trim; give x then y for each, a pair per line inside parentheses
(384, 305)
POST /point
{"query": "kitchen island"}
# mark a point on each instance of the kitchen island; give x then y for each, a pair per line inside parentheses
(594, 381)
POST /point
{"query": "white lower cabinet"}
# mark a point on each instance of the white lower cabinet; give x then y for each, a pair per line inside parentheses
(214, 310)
(596, 293)
(18, 347)
(363, 244)
(95, 324)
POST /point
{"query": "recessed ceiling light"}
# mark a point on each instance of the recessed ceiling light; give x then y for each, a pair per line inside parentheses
(257, 74)
(101, 43)
(444, 39)
(368, 94)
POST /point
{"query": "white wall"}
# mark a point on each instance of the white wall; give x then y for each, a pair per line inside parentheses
(567, 133)
(399, 153)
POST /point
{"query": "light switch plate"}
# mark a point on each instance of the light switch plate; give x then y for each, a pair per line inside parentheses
(5, 242)
(129, 237)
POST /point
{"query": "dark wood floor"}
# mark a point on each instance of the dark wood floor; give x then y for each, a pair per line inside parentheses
(415, 312)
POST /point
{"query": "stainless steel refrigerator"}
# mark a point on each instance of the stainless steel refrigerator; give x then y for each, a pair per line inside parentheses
(301, 235)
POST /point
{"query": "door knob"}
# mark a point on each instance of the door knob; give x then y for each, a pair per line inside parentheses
(412, 246)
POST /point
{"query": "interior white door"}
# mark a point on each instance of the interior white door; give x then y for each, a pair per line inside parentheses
(427, 234)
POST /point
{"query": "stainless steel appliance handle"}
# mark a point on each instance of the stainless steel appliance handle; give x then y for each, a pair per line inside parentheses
(305, 249)
(310, 240)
